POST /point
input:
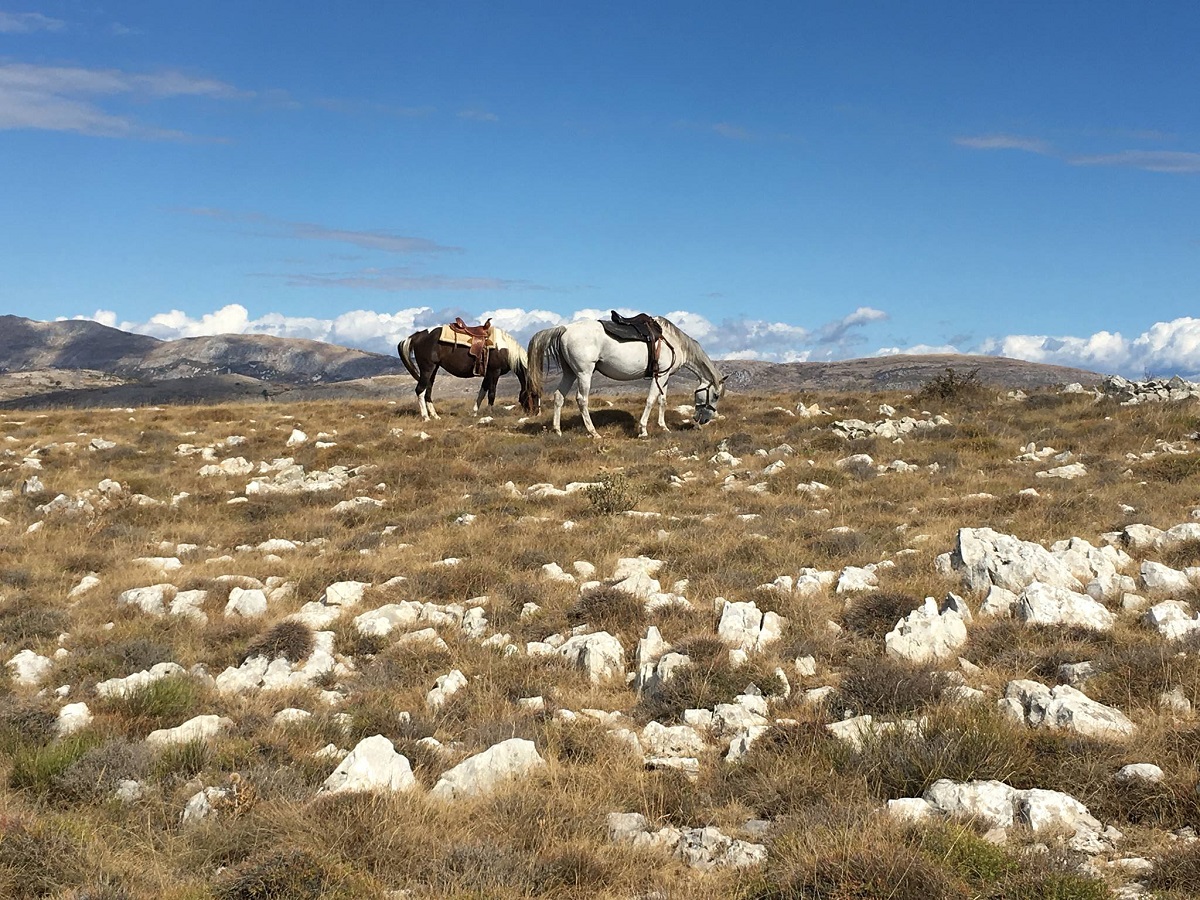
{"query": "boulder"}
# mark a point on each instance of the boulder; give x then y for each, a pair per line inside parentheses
(929, 634)
(983, 557)
(1046, 604)
(600, 655)
(200, 728)
(484, 771)
(373, 765)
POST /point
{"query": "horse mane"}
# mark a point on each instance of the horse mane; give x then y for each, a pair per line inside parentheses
(694, 357)
(516, 351)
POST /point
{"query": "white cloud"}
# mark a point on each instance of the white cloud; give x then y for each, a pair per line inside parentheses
(1004, 142)
(1173, 162)
(478, 115)
(380, 331)
(65, 98)
(917, 350)
(1166, 348)
(24, 23)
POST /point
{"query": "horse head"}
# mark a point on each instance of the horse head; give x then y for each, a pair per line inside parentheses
(530, 402)
(705, 401)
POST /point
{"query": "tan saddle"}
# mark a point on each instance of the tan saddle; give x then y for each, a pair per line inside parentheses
(481, 336)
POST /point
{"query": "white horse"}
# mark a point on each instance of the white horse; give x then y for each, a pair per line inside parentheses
(584, 347)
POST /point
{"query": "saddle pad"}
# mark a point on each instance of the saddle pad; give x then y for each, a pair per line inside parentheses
(622, 332)
(450, 336)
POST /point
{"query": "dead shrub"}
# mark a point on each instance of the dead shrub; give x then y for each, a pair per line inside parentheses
(1177, 871)
(885, 686)
(24, 620)
(609, 610)
(94, 776)
(864, 874)
(952, 387)
(874, 615)
(1173, 469)
(290, 639)
(37, 859)
(292, 874)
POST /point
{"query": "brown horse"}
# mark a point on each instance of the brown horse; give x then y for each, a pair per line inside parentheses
(423, 353)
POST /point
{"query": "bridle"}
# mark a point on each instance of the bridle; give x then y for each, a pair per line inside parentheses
(704, 400)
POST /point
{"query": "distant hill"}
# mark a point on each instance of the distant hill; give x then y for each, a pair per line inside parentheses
(82, 363)
(26, 345)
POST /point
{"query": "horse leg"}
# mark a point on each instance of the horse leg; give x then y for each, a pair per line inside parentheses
(492, 383)
(429, 395)
(422, 393)
(479, 398)
(585, 387)
(656, 393)
(560, 396)
(662, 409)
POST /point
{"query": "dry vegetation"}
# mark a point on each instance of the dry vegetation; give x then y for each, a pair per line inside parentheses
(62, 835)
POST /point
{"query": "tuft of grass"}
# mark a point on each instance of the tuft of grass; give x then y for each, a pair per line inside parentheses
(1177, 872)
(37, 859)
(160, 703)
(1173, 469)
(609, 610)
(37, 768)
(963, 744)
(24, 620)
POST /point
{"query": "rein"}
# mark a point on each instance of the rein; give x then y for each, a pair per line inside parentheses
(706, 402)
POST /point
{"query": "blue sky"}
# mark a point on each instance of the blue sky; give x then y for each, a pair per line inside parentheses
(785, 180)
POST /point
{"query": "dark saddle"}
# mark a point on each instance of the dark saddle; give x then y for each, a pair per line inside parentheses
(481, 336)
(642, 328)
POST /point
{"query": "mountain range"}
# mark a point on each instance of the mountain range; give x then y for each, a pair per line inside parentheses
(83, 363)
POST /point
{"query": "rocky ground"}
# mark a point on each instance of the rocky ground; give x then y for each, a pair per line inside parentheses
(325, 649)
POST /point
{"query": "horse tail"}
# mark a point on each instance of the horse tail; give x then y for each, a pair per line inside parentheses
(404, 348)
(544, 345)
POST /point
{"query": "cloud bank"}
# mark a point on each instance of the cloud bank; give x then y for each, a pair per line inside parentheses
(1163, 349)
(381, 331)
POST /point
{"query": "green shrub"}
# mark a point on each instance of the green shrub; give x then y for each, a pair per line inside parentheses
(612, 494)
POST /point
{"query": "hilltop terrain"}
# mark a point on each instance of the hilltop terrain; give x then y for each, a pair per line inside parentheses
(79, 363)
(324, 649)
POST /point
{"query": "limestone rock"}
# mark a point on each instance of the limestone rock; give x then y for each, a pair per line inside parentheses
(200, 728)
(600, 655)
(928, 634)
(373, 765)
(1045, 604)
(484, 771)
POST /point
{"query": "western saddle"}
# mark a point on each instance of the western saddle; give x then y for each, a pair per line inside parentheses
(481, 336)
(641, 327)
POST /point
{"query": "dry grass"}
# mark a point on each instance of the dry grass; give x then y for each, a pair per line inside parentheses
(63, 835)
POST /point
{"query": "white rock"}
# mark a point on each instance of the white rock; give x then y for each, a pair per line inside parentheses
(72, 718)
(928, 634)
(984, 557)
(1163, 580)
(249, 604)
(444, 688)
(484, 771)
(297, 438)
(86, 583)
(855, 579)
(989, 803)
(200, 728)
(30, 668)
(910, 809)
(151, 600)
(345, 593)
(600, 655)
(1074, 470)
(373, 765)
(1066, 707)
(1145, 772)
(1045, 604)
(124, 687)
(200, 805)
(291, 716)
(1053, 812)
(1172, 619)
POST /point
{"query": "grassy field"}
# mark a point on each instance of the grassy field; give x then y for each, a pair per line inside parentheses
(724, 528)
